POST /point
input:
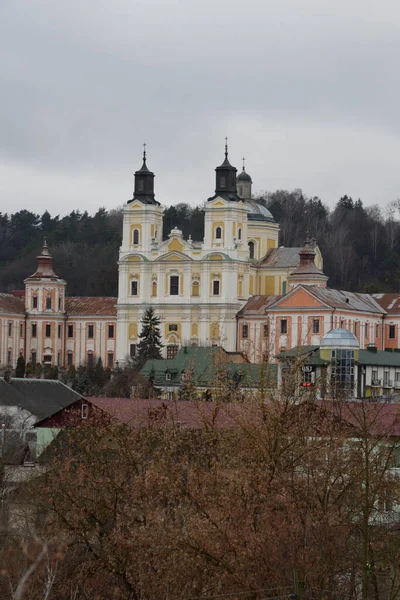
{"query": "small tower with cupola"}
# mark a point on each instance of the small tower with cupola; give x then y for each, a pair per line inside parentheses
(143, 215)
(225, 217)
(45, 311)
(243, 184)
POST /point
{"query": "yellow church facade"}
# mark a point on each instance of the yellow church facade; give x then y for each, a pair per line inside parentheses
(195, 287)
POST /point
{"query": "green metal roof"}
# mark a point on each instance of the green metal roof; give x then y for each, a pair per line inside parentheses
(311, 356)
(205, 365)
(379, 358)
(297, 351)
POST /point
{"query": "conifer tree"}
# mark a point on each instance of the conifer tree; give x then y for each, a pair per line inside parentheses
(99, 375)
(150, 343)
(20, 370)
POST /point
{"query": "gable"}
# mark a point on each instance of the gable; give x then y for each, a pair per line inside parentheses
(300, 297)
(173, 256)
(135, 205)
(175, 245)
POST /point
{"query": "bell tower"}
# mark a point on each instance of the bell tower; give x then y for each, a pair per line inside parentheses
(225, 180)
(45, 311)
(144, 184)
(244, 183)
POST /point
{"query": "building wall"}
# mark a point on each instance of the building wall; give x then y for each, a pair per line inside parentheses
(12, 338)
(198, 313)
(367, 327)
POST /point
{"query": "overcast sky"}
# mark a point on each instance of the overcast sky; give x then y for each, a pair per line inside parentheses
(307, 90)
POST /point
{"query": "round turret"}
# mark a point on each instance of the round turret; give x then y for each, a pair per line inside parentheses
(340, 338)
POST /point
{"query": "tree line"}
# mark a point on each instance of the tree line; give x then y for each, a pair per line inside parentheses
(360, 245)
(292, 497)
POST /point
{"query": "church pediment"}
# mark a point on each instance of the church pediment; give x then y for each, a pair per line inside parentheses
(218, 202)
(172, 256)
(135, 205)
(299, 297)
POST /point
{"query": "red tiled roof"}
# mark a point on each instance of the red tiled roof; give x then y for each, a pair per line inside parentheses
(88, 305)
(145, 413)
(378, 419)
(257, 305)
(389, 302)
(11, 305)
(381, 419)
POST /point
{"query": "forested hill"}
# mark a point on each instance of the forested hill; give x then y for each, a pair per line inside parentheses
(360, 245)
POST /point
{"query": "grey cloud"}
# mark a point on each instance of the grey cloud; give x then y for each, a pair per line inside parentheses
(85, 83)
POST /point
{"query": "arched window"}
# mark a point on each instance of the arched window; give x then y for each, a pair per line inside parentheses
(135, 237)
(251, 249)
(218, 233)
(239, 234)
(195, 288)
(154, 288)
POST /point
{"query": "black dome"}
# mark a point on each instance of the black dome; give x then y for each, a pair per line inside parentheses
(244, 177)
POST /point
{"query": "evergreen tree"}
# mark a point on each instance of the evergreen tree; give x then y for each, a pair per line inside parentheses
(150, 343)
(20, 370)
(99, 376)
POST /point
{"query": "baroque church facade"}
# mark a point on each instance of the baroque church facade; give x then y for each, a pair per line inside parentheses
(236, 288)
(195, 287)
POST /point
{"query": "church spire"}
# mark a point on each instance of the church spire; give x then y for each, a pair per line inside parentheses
(144, 183)
(225, 183)
(307, 272)
(44, 268)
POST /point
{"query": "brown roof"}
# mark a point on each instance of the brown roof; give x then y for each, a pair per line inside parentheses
(378, 419)
(191, 414)
(88, 305)
(281, 258)
(347, 300)
(382, 419)
(257, 305)
(352, 301)
(11, 305)
(389, 302)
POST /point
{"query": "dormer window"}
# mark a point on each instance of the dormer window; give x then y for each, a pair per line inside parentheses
(168, 376)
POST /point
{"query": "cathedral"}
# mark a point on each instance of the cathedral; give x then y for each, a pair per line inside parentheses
(196, 287)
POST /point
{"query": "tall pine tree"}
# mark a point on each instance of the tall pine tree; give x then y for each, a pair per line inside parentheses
(150, 343)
